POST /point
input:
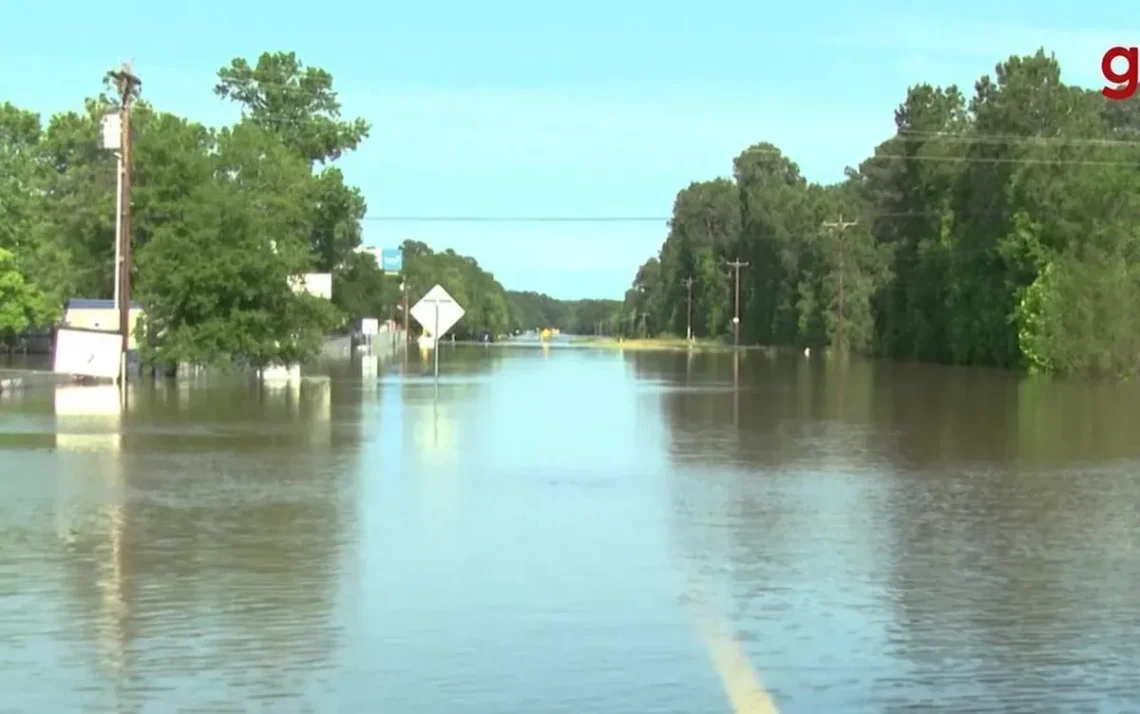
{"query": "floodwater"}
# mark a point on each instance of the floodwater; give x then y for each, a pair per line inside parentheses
(578, 531)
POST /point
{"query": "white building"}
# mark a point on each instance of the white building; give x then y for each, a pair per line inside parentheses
(319, 284)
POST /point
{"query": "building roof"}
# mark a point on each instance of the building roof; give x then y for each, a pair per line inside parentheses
(96, 304)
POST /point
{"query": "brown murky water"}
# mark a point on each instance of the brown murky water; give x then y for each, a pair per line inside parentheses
(553, 530)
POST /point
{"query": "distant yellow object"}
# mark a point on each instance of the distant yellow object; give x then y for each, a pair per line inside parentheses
(544, 335)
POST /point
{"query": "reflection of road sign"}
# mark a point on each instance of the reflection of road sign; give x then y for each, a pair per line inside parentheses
(392, 260)
(437, 312)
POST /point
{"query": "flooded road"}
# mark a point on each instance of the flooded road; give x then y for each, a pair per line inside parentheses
(578, 531)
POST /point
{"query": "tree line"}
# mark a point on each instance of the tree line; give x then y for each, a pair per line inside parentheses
(535, 311)
(997, 229)
(222, 218)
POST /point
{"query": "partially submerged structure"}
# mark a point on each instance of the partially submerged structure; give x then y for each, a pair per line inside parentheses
(101, 315)
(87, 340)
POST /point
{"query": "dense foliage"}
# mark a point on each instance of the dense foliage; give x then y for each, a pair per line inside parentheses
(222, 219)
(998, 230)
(536, 311)
(22, 305)
(489, 308)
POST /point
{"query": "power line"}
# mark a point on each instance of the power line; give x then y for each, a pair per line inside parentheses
(1006, 160)
(988, 159)
(627, 219)
(666, 219)
(964, 136)
(517, 219)
(967, 137)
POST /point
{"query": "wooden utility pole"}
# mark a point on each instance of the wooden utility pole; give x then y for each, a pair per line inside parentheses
(404, 287)
(688, 282)
(128, 86)
(840, 227)
(737, 264)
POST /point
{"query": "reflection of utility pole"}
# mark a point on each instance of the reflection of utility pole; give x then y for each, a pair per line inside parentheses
(688, 282)
(736, 391)
(840, 227)
(128, 85)
(737, 264)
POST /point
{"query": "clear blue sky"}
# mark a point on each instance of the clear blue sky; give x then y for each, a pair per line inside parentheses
(585, 108)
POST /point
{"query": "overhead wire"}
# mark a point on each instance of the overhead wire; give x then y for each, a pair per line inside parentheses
(934, 136)
(966, 137)
(973, 138)
(606, 219)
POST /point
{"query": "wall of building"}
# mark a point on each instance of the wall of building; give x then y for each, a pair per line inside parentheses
(319, 284)
(105, 319)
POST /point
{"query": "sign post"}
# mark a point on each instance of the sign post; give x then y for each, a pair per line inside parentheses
(392, 261)
(437, 312)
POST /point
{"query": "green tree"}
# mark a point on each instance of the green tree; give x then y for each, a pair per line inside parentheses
(298, 104)
(221, 286)
(980, 226)
(22, 305)
(485, 301)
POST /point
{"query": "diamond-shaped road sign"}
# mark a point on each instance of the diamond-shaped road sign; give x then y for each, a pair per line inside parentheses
(437, 312)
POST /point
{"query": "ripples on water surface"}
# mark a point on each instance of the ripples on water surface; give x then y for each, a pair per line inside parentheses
(540, 530)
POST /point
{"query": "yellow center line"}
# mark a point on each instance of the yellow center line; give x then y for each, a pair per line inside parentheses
(741, 681)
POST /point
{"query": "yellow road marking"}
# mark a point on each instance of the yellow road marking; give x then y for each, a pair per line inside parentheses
(739, 678)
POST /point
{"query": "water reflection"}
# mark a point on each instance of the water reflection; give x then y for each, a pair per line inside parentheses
(869, 538)
(195, 517)
(912, 538)
(92, 517)
(88, 417)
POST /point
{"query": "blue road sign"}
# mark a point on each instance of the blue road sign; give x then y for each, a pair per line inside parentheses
(392, 260)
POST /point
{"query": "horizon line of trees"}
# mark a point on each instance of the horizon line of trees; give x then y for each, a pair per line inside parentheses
(1001, 229)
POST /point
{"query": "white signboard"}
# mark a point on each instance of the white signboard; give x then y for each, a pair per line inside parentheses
(369, 326)
(319, 284)
(88, 353)
(112, 131)
(437, 312)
